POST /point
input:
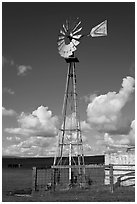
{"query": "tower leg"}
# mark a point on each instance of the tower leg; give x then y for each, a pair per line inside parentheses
(70, 162)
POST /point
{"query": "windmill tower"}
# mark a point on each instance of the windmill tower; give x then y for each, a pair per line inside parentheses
(69, 152)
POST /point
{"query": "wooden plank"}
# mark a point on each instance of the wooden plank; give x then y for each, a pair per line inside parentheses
(67, 166)
(123, 169)
(107, 175)
(77, 166)
(133, 177)
(111, 179)
(122, 165)
(34, 179)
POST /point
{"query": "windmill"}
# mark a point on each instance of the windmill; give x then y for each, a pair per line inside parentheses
(70, 146)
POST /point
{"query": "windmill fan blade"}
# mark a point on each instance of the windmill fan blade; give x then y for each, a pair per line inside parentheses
(76, 26)
(65, 54)
(77, 36)
(77, 31)
(73, 47)
(60, 42)
(62, 32)
(61, 37)
(75, 42)
(67, 26)
(64, 28)
(66, 50)
(61, 45)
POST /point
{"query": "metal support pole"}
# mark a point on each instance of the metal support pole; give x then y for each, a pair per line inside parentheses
(64, 110)
(70, 162)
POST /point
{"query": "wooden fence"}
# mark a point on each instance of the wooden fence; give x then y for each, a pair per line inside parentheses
(120, 174)
(115, 174)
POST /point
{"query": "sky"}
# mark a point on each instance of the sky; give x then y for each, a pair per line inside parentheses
(34, 76)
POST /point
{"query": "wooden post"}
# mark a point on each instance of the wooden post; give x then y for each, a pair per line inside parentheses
(119, 181)
(34, 179)
(111, 177)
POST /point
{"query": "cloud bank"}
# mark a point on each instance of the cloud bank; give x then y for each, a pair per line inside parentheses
(121, 140)
(38, 123)
(22, 69)
(32, 146)
(105, 126)
(9, 112)
(104, 111)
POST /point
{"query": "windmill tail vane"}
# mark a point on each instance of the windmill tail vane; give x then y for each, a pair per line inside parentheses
(99, 30)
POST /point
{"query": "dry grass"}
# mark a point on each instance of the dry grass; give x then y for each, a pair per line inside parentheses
(19, 181)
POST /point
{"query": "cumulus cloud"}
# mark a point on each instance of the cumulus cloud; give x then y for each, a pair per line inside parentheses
(132, 133)
(71, 123)
(14, 138)
(90, 97)
(21, 131)
(34, 141)
(32, 146)
(22, 69)
(40, 128)
(8, 90)
(104, 111)
(38, 123)
(9, 112)
(121, 140)
(85, 127)
(9, 138)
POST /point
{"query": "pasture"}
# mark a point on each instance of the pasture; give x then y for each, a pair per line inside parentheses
(19, 182)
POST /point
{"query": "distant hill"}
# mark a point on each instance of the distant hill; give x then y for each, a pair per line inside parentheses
(8, 156)
(29, 162)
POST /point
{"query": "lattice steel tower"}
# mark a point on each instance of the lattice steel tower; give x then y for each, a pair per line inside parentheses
(70, 139)
(70, 146)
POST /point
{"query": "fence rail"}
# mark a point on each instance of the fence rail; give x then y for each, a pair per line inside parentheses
(111, 168)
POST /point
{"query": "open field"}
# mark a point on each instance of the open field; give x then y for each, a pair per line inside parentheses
(19, 181)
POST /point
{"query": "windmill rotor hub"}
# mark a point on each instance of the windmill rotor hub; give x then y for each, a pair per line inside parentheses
(69, 37)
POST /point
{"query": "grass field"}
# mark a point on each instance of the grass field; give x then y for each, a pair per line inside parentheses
(19, 181)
